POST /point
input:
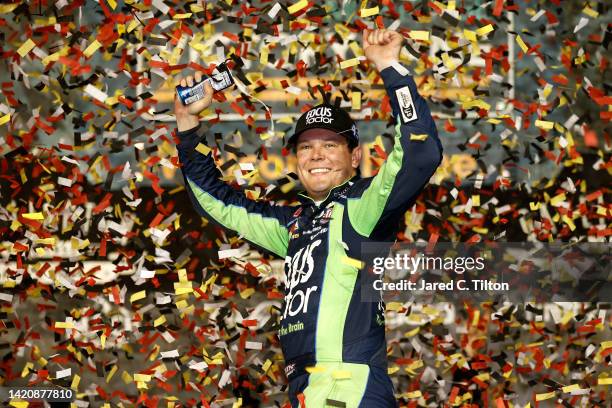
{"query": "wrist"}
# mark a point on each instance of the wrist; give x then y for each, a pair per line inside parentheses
(380, 65)
(187, 122)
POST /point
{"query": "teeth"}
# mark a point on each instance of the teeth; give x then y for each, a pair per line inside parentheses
(313, 171)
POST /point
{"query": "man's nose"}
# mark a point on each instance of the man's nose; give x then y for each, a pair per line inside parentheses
(317, 153)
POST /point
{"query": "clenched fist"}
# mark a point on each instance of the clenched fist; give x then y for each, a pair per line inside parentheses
(187, 117)
(382, 47)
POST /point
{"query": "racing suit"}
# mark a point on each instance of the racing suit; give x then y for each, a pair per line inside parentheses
(324, 323)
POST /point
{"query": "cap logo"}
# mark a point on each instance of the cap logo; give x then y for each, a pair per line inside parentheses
(321, 114)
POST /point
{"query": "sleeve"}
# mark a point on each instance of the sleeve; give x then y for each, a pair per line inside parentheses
(417, 153)
(261, 223)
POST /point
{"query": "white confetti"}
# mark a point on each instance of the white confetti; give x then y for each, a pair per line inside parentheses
(95, 93)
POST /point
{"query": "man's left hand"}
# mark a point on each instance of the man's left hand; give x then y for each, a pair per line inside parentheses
(382, 47)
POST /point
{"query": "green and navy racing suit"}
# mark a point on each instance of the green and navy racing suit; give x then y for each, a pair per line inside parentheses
(324, 323)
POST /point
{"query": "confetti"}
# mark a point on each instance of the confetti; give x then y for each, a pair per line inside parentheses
(349, 63)
(93, 211)
(369, 12)
(294, 8)
(26, 48)
(419, 35)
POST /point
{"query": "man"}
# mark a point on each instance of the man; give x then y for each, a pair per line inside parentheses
(333, 343)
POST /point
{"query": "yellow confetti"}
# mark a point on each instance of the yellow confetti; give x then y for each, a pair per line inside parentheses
(369, 12)
(392, 370)
(287, 187)
(5, 119)
(111, 373)
(534, 206)
(202, 148)
(181, 16)
(485, 30)
(590, 12)
(349, 63)
(26, 47)
(159, 321)
(604, 381)
(112, 3)
(142, 377)
(475, 200)
(138, 295)
(64, 325)
(92, 48)
(413, 394)
(75, 382)
(245, 294)
(297, 6)
(522, 44)
(7, 8)
(316, 369)
(570, 388)
(476, 103)
(19, 404)
(419, 35)
(569, 222)
(46, 241)
(34, 216)
(266, 365)
(545, 396)
(412, 332)
(356, 263)
(543, 124)
(419, 138)
(557, 200)
(356, 100)
(395, 306)
(263, 56)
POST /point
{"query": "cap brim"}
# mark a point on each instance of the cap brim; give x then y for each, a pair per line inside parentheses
(293, 139)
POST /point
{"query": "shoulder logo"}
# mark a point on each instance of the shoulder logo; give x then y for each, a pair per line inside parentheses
(289, 369)
(406, 104)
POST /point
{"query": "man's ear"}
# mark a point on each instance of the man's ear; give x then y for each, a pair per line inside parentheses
(356, 157)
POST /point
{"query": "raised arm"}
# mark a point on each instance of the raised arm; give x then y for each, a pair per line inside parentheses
(376, 204)
(261, 223)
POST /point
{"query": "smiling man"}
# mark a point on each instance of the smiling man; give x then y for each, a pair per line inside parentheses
(333, 342)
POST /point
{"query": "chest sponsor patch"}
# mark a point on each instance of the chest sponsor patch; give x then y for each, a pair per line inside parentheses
(406, 104)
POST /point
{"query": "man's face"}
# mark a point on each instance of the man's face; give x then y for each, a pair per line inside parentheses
(324, 161)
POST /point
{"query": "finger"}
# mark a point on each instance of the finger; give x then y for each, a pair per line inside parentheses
(376, 35)
(372, 37)
(396, 37)
(183, 82)
(381, 37)
(387, 37)
(190, 81)
(208, 89)
(364, 39)
(198, 76)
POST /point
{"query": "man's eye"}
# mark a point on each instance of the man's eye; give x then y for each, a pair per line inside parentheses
(331, 145)
(303, 147)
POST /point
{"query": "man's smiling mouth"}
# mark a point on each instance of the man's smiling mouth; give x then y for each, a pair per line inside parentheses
(320, 170)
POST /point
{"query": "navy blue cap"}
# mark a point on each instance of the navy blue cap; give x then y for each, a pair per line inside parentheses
(326, 116)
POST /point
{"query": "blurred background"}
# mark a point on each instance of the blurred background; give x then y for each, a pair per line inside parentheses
(114, 286)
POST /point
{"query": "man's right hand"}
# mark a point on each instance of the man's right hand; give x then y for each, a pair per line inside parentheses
(187, 117)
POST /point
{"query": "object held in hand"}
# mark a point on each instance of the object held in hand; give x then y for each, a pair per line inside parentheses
(219, 81)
